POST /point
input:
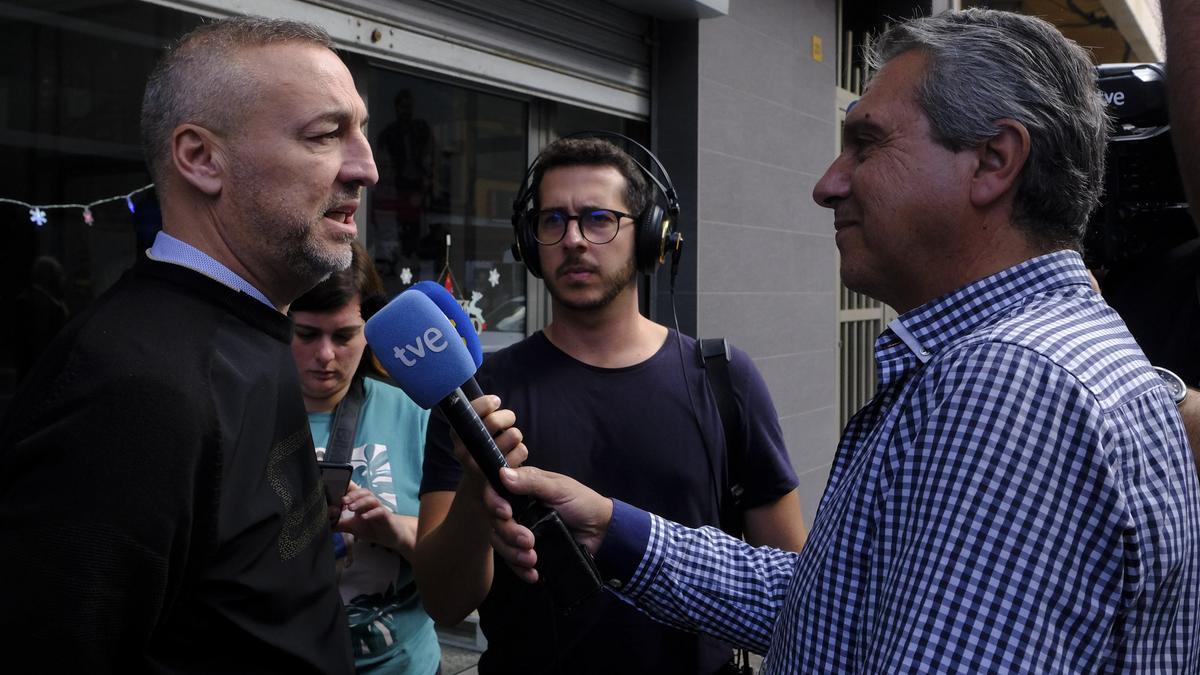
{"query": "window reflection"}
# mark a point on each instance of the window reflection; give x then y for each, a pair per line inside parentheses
(568, 119)
(71, 81)
(450, 162)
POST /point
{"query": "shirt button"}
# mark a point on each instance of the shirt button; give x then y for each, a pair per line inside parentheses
(614, 583)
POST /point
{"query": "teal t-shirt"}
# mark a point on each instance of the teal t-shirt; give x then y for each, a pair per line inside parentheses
(389, 629)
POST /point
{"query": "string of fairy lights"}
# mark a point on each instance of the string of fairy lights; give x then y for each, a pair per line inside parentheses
(39, 216)
(39, 213)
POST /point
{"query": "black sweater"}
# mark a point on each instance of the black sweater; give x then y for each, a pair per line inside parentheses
(159, 501)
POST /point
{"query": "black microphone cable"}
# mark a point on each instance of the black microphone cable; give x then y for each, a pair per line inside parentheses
(708, 445)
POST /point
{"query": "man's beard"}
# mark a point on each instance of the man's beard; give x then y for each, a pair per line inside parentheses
(309, 257)
(307, 252)
(611, 286)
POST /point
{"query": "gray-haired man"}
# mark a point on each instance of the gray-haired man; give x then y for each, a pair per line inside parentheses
(1019, 495)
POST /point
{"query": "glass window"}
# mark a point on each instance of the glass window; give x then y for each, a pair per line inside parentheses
(450, 162)
(568, 119)
(71, 86)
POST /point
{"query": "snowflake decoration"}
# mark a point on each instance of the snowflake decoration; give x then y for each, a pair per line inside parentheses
(87, 216)
(406, 276)
(37, 216)
(494, 277)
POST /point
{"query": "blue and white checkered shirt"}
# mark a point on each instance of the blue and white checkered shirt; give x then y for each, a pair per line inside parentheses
(1018, 497)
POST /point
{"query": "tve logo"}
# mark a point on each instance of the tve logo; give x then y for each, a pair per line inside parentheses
(432, 339)
(1114, 97)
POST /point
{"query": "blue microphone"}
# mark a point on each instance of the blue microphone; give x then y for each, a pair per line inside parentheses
(449, 306)
(420, 349)
(422, 353)
(453, 311)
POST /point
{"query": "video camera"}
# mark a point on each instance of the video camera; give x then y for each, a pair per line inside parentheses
(1144, 208)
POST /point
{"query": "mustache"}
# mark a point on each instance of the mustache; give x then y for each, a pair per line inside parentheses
(351, 194)
(573, 263)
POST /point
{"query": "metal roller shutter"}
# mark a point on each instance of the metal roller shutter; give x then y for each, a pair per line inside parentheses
(583, 52)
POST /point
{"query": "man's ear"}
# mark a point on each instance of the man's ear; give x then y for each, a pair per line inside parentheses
(199, 158)
(1000, 161)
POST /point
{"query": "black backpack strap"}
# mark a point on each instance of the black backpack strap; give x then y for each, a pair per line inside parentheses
(715, 356)
(345, 422)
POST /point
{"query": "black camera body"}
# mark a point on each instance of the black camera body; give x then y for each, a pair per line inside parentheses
(1135, 93)
(1144, 209)
(1141, 240)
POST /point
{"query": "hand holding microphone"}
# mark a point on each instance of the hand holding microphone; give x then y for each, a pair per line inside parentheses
(423, 352)
(585, 512)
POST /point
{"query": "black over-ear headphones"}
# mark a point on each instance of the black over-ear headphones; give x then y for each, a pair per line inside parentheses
(655, 236)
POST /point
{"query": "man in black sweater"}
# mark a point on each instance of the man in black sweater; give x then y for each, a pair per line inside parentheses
(158, 495)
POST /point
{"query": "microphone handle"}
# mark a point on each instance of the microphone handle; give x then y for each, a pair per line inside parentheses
(466, 423)
(471, 389)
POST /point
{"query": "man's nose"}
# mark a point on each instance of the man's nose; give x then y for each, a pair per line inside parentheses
(358, 165)
(834, 184)
(573, 236)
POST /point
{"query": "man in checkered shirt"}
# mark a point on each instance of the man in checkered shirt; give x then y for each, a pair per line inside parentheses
(1018, 496)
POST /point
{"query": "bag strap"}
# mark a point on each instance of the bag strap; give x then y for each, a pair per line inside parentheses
(715, 356)
(345, 422)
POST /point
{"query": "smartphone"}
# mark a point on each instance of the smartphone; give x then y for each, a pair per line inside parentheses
(336, 477)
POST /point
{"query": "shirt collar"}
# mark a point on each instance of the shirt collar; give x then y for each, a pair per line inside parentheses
(168, 249)
(929, 328)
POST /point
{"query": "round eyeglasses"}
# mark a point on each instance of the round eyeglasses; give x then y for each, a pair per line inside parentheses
(598, 226)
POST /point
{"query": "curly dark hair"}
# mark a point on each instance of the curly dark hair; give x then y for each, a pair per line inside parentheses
(593, 152)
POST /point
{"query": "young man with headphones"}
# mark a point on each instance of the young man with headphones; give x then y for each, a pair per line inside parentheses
(611, 398)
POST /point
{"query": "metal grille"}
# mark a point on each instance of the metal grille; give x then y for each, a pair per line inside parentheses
(860, 320)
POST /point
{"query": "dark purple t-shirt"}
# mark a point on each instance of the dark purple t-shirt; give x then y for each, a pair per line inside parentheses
(631, 433)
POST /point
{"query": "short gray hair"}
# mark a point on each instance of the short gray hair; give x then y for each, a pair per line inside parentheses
(199, 80)
(986, 65)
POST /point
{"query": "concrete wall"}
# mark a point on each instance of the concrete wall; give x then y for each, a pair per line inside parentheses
(760, 268)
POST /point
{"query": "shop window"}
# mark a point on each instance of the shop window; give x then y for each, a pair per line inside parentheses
(70, 90)
(450, 161)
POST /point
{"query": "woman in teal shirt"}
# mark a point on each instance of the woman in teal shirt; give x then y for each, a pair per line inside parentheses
(389, 629)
